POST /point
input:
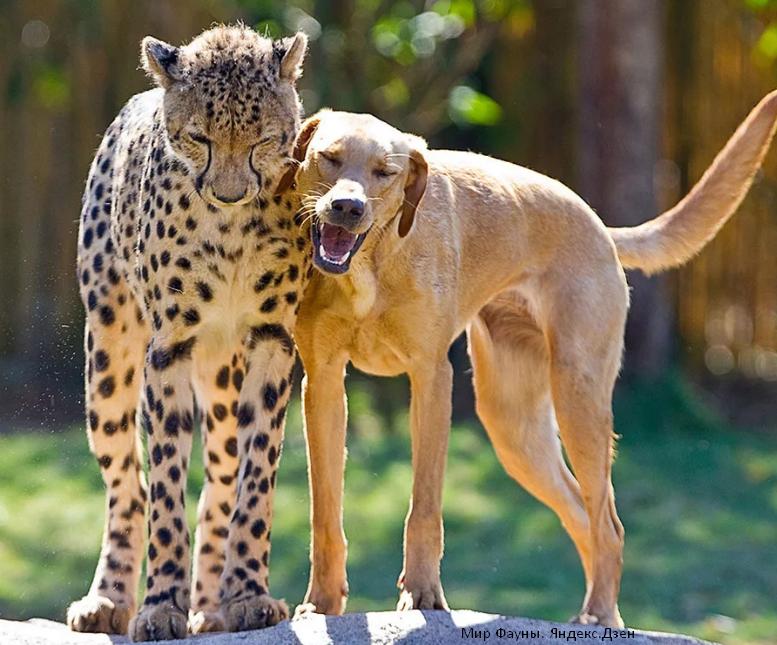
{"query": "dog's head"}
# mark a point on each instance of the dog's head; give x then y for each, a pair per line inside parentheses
(358, 177)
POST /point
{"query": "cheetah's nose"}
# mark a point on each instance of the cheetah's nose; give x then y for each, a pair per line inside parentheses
(229, 200)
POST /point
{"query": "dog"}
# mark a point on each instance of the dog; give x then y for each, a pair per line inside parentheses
(414, 246)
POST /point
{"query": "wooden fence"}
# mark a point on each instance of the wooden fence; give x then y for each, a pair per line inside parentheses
(66, 67)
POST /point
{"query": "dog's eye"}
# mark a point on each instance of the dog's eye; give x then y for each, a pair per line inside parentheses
(199, 138)
(382, 173)
(332, 159)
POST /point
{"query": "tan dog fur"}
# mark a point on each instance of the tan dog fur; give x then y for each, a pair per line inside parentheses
(534, 277)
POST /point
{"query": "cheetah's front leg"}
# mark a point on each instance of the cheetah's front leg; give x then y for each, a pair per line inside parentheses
(167, 410)
(218, 381)
(115, 338)
(245, 603)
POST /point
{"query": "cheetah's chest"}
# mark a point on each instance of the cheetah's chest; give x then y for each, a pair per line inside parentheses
(238, 269)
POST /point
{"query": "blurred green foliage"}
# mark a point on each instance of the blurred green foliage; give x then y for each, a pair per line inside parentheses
(403, 60)
(761, 4)
(698, 502)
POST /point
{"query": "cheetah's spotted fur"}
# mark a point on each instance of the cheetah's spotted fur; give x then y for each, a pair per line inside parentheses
(191, 265)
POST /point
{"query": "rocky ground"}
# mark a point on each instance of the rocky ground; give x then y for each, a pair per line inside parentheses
(379, 628)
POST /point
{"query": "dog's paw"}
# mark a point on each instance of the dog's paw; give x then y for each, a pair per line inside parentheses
(584, 619)
(162, 622)
(99, 614)
(253, 612)
(609, 619)
(206, 621)
(422, 597)
(318, 602)
(306, 609)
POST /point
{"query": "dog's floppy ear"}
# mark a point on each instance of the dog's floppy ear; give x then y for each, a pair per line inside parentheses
(305, 135)
(415, 186)
(298, 155)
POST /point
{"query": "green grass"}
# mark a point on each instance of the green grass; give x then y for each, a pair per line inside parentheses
(698, 500)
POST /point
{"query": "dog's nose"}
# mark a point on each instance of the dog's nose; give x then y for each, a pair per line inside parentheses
(348, 209)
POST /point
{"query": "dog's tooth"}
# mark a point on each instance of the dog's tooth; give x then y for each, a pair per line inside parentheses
(342, 260)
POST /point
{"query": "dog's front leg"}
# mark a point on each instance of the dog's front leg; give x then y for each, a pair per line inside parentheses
(325, 411)
(430, 419)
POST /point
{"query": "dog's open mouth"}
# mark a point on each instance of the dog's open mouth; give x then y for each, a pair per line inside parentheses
(334, 247)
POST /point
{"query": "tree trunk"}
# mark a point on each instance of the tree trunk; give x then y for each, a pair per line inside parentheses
(620, 108)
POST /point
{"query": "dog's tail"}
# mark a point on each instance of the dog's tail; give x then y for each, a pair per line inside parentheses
(673, 238)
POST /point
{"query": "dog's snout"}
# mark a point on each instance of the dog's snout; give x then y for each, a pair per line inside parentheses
(349, 209)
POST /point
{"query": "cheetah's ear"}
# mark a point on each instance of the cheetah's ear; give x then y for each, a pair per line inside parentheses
(293, 49)
(161, 61)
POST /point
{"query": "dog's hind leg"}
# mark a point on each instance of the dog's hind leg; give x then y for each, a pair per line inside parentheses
(584, 335)
(510, 366)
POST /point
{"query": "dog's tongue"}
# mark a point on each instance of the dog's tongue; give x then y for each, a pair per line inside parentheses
(337, 242)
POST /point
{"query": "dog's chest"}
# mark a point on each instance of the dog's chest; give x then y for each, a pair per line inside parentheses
(386, 342)
(384, 338)
(376, 352)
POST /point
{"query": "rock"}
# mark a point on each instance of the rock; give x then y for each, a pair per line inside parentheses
(377, 628)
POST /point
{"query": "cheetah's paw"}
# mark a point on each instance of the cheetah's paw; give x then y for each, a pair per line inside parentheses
(158, 623)
(206, 621)
(253, 612)
(99, 614)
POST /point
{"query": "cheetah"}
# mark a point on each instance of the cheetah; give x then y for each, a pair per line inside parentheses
(191, 264)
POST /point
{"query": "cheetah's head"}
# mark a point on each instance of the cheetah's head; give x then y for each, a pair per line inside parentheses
(231, 109)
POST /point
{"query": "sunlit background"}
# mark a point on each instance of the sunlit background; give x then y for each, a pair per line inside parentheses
(626, 101)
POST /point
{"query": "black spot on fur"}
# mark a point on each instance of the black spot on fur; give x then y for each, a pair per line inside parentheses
(191, 317)
(269, 305)
(206, 293)
(107, 317)
(175, 285)
(161, 359)
(270, 396)
(101, 361)
(237, 379)
(107, 387)
(258, 528)
(272, 332)
(264, 281)
(222, 378)
(220, 411)
(164, 536)
(245, 415)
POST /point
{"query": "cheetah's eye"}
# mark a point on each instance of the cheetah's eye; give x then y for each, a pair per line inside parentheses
(199, 138)
(263, 142)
